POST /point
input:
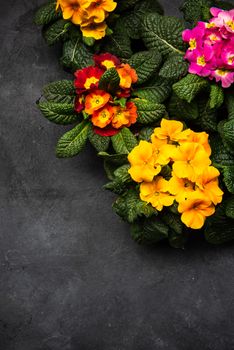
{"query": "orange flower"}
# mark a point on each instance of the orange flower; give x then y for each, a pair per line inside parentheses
(156, 193)
(106, 61)
(73, 10)
(103, 117)
(94, 30)
(96, 100)
(87, 78)
(190, 159)
(180, 188)
(124, 116)
(128, 76)
(209, 185)
(143, 167)
(97, 9)
(195, 209)
(169, 131)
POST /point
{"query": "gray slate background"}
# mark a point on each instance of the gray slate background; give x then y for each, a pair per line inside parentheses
(71, 277)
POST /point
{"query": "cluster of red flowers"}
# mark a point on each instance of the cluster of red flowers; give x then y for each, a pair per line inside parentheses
(107, 113)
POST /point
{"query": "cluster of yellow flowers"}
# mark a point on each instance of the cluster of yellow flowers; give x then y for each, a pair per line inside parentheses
(193, 181)
(90, 15)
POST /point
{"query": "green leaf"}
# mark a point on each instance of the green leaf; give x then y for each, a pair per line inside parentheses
(220, 155)
(121, 178)
(62, 91)
(58, 113)
(124, 5)
(76, 55)
(177, 240)
(144, 6)
(224, 5)
(173, 221)
(163, 33)
(196, 10)
(130, 207)
(149, 112)
(124, 141)
(175, 67)
(146, 64)
(230, 105)
(216, 96)
(145, 133)
(110, 81)
(56, 31)
(72, 143)
(47, 14)
(207, 120)
(181, 110)
(188, 87)
(229, 210)
(228, 177)
(117, 159)
(88, 41)
(151, 231)
(156, 91)
(100, 143)
(226, 130)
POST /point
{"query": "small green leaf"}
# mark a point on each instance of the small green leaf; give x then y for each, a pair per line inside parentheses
(121, 179)
(226, 130)
(124, 141)
(47, 13)
(109, 81)
(182, 110)
(62, 91)
(59, 113)
(76, 55)
(145, 133)
(72, 143)
(175, 67)
(150, 231)
(100, 143)
(124, 5)
(196, 10)
(216, 96)
(156, 91)
(149, 112)
(88, 41)
(56, 31)
(207, 120)
(117, 159)
(230, 105)
(188, 87)
(146, 64)
(173, 221)
(228, 177)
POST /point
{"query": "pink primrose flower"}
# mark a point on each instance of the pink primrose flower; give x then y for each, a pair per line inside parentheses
(225, 76)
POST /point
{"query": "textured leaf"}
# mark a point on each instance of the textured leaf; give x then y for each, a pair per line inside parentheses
(146, 63)
(220, 154)
(196, 10)
(182, 110)
(156, 91)
(72, 143)
(47, 14)
(173, 221)
(150, 231)
(229, 210)
(207, 120)
(59, 113)
(130, 207)
(224, 5)
(124, 5)
(124, 141)
(100, 143)
(62, 91)
(230, 105)
(145, 133)
(226, 130)
(120, 180)
(163, 33)
(149, 112)
(76, 55)
(56, 31)
(118, 159)
(175, 67)
(188, 87)
(110, 81)
(216, 96)
(145, 6)
(228, 177)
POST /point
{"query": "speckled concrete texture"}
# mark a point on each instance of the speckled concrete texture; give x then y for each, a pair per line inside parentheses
(71, 277)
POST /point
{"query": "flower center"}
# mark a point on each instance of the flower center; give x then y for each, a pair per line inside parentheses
(231, 60)
(90, 81)
(201, 61)
(230, 24)
(192, 44)
(222, 72)
(210, 25)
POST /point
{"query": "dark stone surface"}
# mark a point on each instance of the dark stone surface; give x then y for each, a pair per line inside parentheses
(71, 277)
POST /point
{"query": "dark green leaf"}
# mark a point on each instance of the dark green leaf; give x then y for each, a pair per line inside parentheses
(149, 112)
(196, 10)
(56, 31)
(156, 91)
(175, 67)
(229, 210)
(182, 110)
(59, 113)
(230, 105)
(220, 155)
(150, 231)
(228, 177)
(145, 133)
(76, 55)
(216, 96)
(101, 143)
(110, 81)
(62, 91)
(124, 141)
(188, 87)
(47, 14)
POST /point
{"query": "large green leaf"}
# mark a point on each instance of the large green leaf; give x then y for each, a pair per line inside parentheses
(121, 178)
(110, 81)
(188, 87)
(182, 110)
(146, 64)
(175, 67)
(59, 113)
(220, 155)
(76, 55)
(157, 90)
(149, 112)
(47, 14)
(151, 230)
(228, 177)
(207, 120)
(124, 141)
(72, 143)
(56, 31)
(62, 91)
(100, 143)
(196, 10)
(216, 96)
(226, 130)
(163, 33)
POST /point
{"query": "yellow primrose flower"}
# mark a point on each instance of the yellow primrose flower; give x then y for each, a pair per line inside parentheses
(73, 10)
(143, 167)
(156, 193)
(94, 30)
(199, 137)
(98, 9)
(169, 131)
(195, 209)
(180, 188)
(190, 160)
(209, 185)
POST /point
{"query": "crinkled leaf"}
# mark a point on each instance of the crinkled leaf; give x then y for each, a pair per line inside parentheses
(182, 110)
(47, 13)
(100, 143)
(173, 221)
(216, 96)
(56, 31)
(196, 10)
(163, 33)
(220, 155)
(145, 133)
(58, 113)
(157, 90)
(62, 91)
(230, 105)
(76, 55)
(110, 81)
(229, 209)
(175, 67)
(146, 64)
(226, 130)
(188, 87)
(149, 231)
(124, 141)
(207, 120)
(72, 143)
(121, 178)
(124, 5)
(228, 177)
(149, 112)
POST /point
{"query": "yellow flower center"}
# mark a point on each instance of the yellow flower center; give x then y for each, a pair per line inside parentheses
(230, 24)
(90, 81)
(108, 64)
(222, 72)
(231, 60)
(192, 44)
(201, 61)
(214, 37)
(210, 25)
